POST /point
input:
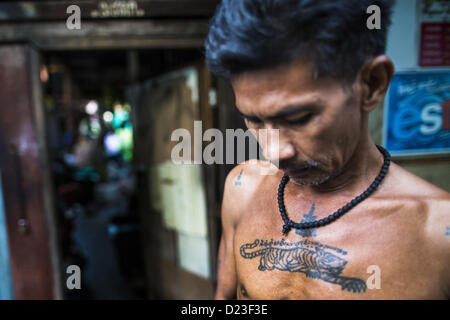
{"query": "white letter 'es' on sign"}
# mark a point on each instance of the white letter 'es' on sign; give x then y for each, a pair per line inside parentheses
(74, 20)
(74, 280)
(374, 21)
(374, 281)
(432, 117)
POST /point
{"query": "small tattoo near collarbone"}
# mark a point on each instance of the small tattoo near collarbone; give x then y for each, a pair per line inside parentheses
(238, 181)
(315, 260)
(447, 231)
(309, 217)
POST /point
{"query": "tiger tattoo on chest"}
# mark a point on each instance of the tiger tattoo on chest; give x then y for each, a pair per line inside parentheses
(314, 259)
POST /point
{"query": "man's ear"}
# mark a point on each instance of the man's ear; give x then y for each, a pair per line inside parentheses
(375, 78)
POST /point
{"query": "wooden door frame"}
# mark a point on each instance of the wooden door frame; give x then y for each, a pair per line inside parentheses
(134, 35)
(27, 182)
(109, 34)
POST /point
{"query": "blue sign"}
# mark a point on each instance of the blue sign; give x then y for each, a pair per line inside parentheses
(417, 114)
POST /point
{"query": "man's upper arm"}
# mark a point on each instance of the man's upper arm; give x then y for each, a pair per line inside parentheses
(226, 277)
(240, 186)
(438, 233)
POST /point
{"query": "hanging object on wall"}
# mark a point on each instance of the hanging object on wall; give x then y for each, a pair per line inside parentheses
(417, 114)
(434, 48)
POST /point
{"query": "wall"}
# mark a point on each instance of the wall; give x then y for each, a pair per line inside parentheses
(403, 49)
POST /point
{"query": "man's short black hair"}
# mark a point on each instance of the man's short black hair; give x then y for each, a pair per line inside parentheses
(246, 35)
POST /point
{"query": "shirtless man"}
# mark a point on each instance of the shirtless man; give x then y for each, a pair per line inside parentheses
(309, 70)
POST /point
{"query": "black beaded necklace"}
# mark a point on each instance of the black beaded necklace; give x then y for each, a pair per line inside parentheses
(288, 223)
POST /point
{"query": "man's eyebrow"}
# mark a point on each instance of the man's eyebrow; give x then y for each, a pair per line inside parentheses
(287, 111)
(246, 116)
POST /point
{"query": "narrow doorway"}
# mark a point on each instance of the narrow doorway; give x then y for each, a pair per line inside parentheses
(96, 167)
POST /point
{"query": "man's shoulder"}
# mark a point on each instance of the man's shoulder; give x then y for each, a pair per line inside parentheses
(431, 205)
(247, 181)
(245, 178)
(407, 184)
(437, 228)
(432, 200)
(422, 210)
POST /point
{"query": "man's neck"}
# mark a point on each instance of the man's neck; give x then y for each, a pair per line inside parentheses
(357, 174)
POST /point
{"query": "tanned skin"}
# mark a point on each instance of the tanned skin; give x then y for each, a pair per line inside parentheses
(402, 228)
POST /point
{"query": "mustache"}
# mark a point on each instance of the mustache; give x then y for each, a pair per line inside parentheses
(291, 166)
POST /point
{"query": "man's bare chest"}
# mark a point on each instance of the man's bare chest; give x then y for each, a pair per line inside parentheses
(354, 258)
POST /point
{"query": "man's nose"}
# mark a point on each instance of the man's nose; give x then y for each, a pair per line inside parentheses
(277, 147)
